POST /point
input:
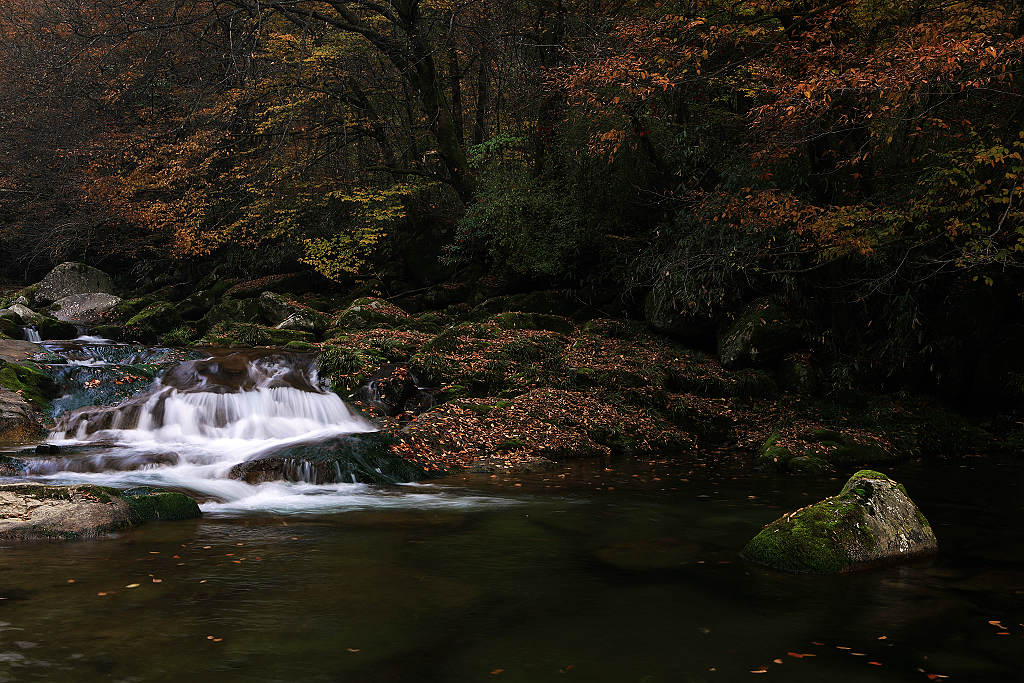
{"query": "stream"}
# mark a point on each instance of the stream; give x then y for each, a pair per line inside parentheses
(618, 570)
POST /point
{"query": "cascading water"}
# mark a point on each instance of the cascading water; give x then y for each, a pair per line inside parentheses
(31, 334)
(202, 420)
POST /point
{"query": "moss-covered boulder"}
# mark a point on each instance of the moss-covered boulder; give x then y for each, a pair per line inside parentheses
(286, 314)
(152, 321)
(28, 382)
(763, 332)
(871, 521)
(229, 310)
(33, 512)
(369, 312)
(71, 278)
(250, 334)
(51, 328)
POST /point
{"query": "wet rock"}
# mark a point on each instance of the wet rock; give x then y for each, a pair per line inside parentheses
(33, 512)
(72, 278)
(285, 314)
(365, 458)
(11, 466)
(871, 521)
(762, 333)
(18, 419)
(84, 308)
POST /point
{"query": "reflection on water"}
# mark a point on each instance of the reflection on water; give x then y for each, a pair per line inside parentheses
(625, 574)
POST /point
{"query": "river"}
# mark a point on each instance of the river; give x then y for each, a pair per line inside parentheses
(621, 570)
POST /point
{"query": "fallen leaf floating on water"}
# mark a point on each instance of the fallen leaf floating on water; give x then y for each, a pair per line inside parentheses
(496, 672)
(132, 585)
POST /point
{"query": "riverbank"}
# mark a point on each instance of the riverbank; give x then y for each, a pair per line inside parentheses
(519, 383)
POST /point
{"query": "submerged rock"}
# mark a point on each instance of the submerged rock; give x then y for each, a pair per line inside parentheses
(32, 512)
(872, 521)
(72, 278)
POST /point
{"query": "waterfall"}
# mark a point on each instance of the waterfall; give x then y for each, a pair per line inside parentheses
(31, 334)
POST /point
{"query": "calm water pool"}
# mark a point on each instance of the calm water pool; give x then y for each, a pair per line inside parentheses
(620, 571)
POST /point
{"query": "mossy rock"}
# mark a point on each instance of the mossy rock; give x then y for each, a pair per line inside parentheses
(149, 504)
(64, 513)
(369, 312)
(33, 384)
(297, 345)
(183, 335)
(250, 334)
(129, 308)
(554, 302)
(763, 332)
(51, 328)
(707, 379)
(871, 521)
(229, 310)
(10, 327)
(153, 321)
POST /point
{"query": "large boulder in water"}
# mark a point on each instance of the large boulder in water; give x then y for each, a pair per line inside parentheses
(72, 278)
(872, 521)
(350, 458)
(84, 308)
(33, 512)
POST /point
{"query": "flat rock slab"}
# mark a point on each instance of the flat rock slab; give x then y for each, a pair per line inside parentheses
(16, 350)
(36, 512)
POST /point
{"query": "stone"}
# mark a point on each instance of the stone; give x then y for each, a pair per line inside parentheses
(72, 278)
(348, 458)
(285, 314)
(34, 512)
(18, 420)
(84, 308)
(871, 521)
(24, 313)
(763, 332)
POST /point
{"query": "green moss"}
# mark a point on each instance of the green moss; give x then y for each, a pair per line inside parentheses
(152, 321)
(183, 335)
(297, 345)
(51, 328)
(251, 334)
(772, 456)
(814, 539)
(34, 385)
(153, 504)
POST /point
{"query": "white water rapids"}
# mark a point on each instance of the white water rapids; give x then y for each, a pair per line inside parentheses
(204, 417)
